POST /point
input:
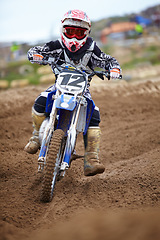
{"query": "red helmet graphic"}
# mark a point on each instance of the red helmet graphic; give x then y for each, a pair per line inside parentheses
(75, 29)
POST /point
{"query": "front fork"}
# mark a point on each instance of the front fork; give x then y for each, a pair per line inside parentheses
(70, 142)
(46, 139)
(71, 139)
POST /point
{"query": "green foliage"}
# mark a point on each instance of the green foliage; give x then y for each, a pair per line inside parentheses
(108, 49)
(12, 72)
(135, 61)
(117, 19)
(153, 48)
(13, 67)
(155, 59)
(34, 79)
(140, 55)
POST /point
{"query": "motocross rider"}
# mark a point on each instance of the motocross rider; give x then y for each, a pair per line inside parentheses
(77, 47)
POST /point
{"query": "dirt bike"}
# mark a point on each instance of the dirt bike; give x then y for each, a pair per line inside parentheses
(69, 114)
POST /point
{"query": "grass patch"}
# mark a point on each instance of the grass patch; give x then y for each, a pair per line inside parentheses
(149, 54)
(153, 60)
(34, 79)
(21, 70)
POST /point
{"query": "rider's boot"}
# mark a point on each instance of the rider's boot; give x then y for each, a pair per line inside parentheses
(33, 145)
(92, 165)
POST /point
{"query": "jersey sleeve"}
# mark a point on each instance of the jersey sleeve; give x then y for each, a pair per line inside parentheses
(52, 48)
(102, 60)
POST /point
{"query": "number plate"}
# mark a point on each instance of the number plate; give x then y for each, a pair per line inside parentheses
(71, 81)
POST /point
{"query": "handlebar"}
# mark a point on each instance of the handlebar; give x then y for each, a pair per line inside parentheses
(53, 61)
(101, 75)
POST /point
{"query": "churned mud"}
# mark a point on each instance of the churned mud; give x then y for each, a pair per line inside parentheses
(122, 203)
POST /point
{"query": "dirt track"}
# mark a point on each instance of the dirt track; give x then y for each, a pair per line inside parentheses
(123, 203)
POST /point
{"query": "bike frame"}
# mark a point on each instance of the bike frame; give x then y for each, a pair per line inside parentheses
(74, 114)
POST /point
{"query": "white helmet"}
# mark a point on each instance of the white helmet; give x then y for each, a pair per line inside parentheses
(75, 29)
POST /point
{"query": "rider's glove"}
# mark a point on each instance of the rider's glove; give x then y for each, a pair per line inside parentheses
(38, 58)
(114, 73)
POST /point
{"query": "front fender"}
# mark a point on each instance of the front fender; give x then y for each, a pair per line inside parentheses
(65, 101)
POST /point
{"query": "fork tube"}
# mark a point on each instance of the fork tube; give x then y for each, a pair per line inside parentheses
(76, 114)
(47, 132)
(71, 138)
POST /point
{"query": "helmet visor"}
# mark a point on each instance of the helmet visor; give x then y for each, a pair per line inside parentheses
(76, 32)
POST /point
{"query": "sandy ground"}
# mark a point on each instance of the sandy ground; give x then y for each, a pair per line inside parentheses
(122, 203)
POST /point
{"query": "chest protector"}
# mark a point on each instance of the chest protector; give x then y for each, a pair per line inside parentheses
(82, 62)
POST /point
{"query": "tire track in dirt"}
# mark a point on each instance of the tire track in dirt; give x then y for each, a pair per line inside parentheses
(130, 150)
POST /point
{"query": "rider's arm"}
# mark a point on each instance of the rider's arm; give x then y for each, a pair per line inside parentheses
(52, 48)
(102, 60)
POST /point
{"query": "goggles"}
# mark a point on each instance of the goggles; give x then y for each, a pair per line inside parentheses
(76, 32)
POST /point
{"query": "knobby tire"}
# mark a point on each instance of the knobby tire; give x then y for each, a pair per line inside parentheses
(53, 153)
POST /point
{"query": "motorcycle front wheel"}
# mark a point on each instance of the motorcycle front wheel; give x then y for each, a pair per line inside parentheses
(52, 165)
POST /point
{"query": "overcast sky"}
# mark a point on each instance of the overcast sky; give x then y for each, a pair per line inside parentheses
(33, 20)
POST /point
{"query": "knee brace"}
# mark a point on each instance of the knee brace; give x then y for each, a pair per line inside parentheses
(95, 120)
(40, 104)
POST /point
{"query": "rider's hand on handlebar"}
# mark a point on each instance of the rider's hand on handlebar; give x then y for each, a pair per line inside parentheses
(38, 58)
(114, 73)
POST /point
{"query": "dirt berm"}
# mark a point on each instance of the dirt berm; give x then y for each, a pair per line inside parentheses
(123, 203)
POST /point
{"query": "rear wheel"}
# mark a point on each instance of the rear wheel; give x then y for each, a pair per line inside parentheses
(52, 165)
